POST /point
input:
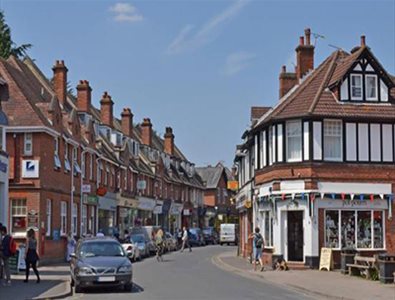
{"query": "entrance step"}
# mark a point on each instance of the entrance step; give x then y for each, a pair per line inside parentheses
(297, 265)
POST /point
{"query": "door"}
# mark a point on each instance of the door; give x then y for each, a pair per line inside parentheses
(295, 235)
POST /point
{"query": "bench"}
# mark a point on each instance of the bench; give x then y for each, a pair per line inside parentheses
(362, 266)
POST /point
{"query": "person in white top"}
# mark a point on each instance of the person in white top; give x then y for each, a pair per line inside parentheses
(185, 240)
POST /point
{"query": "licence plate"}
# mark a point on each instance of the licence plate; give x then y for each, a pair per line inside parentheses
(106, 279)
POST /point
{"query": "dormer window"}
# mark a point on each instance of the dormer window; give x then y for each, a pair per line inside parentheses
(356, 87)
(371, 87)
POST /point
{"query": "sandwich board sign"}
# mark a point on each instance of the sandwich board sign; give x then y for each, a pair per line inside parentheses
(326, 259)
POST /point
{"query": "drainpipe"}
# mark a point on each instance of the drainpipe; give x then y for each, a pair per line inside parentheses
(97, 185)
(83, 170)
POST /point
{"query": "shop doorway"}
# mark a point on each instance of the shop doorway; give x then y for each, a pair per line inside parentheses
(295, 235)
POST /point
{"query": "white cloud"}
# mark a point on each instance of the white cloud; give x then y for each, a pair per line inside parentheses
(186, 39)
(125, 12)
(236, 62)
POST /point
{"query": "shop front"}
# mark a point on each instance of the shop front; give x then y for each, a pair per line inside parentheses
(89, 213)
(187, 215)
(145, 216)
(157, 212)
(175, 216)
(127, 213)
(244, 207)
(107, 214)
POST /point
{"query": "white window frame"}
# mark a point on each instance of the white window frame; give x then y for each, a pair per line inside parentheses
(67, 165)
(75, 218)
(18, 209)
(49, 217)
(288, 126)
(269, 241)
(77, 168)
(63, 218)
(351, 87)
(340, 211)
(28, 144)
(376, 97)
(339, 122)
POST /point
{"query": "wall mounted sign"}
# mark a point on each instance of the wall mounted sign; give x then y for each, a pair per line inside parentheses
(86, 188)
(141, 185)
(30, 168)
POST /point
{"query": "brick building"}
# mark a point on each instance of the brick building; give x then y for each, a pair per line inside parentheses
(218, 199)
(322, 159)
(75, 168)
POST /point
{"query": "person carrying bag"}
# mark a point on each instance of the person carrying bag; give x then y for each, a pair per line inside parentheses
(31, 256)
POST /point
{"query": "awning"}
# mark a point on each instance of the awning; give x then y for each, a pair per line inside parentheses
(127, 202)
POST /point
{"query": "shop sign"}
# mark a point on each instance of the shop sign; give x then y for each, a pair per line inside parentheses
(3, 167)
(107, 203)
(56, 234)
(233, 185)
(101, 191)
(141, 184)
(86, 188)
(175, 209)
(157, 210)
(186, 212)
(354, 204)
(32, 219)
(30, 168)
(91, 200)
(248, 204)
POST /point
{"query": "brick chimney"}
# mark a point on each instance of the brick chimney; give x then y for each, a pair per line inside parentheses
(363, 41)
(169, 141)
(84, 96)
(60, 80)
(127, 122)
(146, 132)
(106, 109)
(304, 55)
(287, 81)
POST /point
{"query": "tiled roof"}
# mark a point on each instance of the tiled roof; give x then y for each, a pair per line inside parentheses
(211, 175)
(258, 111)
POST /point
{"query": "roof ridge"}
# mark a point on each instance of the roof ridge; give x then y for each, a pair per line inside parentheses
(324, 82)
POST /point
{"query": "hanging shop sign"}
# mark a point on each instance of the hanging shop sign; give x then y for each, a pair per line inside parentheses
(90, 199)
(175, 209)
(158, 207)
(141, 184)
(101, 191)
(30, 168)
(233, 185)
(186, 212)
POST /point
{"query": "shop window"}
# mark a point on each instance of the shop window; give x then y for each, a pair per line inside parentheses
(348, 229)
(378, 229)
(63, 218)
(28, 144)
(18, 216)
(333, 140)
(294, 140)
(364, 229)
(332, 229)
(74, 214)
(49, 217)
(268, 229)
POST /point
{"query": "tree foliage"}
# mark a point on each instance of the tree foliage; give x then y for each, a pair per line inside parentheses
(7, 46)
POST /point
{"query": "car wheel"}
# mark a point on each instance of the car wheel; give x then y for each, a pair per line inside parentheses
(77, 289)
(128, 287)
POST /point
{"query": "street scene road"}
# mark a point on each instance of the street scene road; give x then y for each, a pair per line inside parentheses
(191, 275)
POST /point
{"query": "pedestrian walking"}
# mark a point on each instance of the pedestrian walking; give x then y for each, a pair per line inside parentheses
(5, 255)
(31, 256)
(185, 240)
(257, 245)
(160, 245)
(70, 246)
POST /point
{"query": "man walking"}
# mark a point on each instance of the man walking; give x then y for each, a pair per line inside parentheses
(257, 244)
(5, 255)
(185, 240)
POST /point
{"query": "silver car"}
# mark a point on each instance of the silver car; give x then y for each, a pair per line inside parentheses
(100, 262)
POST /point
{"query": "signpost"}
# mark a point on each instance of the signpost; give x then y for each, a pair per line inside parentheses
(326, 260)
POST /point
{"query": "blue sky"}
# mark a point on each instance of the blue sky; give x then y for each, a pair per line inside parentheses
(197, 66)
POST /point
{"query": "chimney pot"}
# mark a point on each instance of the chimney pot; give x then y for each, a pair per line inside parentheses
(127, 122)
(146, 132)
(60, 81)
(301, 41)
(283, 69)
(304, 56)
(106, 109)
(84, 96)
(363, 41)
(307, 33)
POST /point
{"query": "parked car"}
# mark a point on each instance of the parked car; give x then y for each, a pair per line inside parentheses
(148, 232)
(132, 250)
(210, 235)
(100, 262)
(141, 243)
(196, 237)
(228, 234)
(171, 242)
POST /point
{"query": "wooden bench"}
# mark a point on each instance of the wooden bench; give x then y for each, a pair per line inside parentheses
(362, 266)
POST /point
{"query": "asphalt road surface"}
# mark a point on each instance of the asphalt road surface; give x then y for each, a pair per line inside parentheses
(192, 276)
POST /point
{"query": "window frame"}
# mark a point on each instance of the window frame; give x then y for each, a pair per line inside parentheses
(376, 97)
(74, 216)
(63, 214)
(28, 140)
(326, 122)
(352, 97)
(48, 217)
(287, 137)
(22, 205)
(268, 241)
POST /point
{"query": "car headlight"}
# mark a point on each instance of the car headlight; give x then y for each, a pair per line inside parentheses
(125, 269)
(84, 271)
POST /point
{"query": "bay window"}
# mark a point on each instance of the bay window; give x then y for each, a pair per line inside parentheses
(360, 229)
(294, 140)
(356, 87)
(333, 140)
(371, 87)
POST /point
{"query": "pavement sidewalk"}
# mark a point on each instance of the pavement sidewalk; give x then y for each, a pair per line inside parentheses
(326, 285)
(54, 284)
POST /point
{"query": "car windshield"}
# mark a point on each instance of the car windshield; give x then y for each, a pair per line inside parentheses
(139, 238)
(92, 249)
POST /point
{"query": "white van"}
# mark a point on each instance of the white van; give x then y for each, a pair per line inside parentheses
(228, 234)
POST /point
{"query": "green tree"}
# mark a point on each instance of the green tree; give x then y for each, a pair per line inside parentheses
(7, 46)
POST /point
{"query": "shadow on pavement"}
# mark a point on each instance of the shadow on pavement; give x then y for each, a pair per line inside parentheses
(21, 290)
(107, 290)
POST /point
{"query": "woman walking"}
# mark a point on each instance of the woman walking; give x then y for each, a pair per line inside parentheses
(31, 256)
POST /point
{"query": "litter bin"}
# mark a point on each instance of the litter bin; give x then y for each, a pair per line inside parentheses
(387, 268)
(346, 257)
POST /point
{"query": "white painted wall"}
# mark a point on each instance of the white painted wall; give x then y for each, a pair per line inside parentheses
(388, 151)
(256, 148)
(375, 142)
(306, 141)
(317, 140)
(383, 91)
(344, 90)
(351, 141)
(263, 149)
(363, 142)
